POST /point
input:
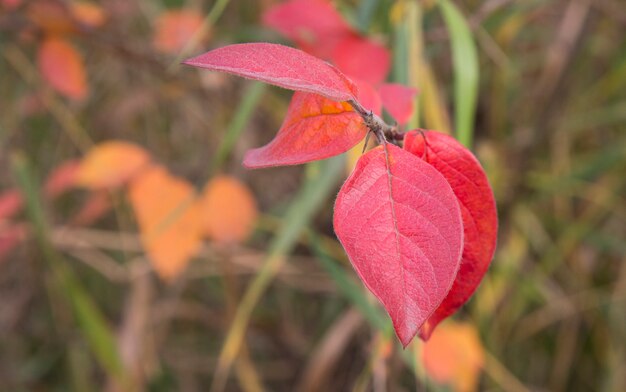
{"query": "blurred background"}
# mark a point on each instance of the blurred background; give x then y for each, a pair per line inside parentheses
(137, 254)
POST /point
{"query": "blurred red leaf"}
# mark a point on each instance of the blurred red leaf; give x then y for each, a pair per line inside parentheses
(279, 65)
(62, 178)
(314, 25)
(97, 204)
(174, 29)
(399, 100)
(369, 97)
(454, 356)
(62, 67)
(401, 227)
(362, 58)
(11, 4)
(228, 210)
(111, 164)
(169, 220)
(314, 128)
(478, 208)
(11, 203)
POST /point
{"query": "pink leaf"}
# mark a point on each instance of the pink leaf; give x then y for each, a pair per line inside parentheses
(400, 225)
(363, 59)
(314, 128)
(478, 208)
(279, 65)
(314, 25)
(399, 101)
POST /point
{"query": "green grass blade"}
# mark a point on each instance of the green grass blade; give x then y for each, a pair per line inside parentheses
(92, 323)
(250, 101)
(320, 184)
(466, 71)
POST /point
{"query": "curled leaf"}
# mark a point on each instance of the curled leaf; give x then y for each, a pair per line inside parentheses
(111, 164)
(314, 128)
(62, 67)
(400, 225)
(228, 210)
(169, 220)
(280, 65)
(478, 208)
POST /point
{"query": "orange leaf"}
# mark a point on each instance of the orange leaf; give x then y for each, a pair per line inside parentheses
(88, 14)
(174, 29)
(228, 210)
(454, 355)
(52, 17)
(62, 67)
(111, 164)
(167, 211)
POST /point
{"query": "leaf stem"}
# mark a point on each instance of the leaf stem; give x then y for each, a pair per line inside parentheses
(376, 125)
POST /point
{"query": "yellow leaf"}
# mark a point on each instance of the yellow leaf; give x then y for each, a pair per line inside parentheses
(167, 212)
(454, 355)
(111, 164)
(228, 210)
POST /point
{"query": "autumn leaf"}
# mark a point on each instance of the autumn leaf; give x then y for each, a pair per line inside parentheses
(281, 66)
(62, 67)
(88, 14)
(361, 58)
(369, 97)
(454, 356)
(399, 101)
(314, 128)
(111, 164)
(400, 225)
(11, 4)
(169, 220)
(228, 210)
(314, 25)
(93, 208)
(478, 209)
(175, 28)
(62, 178)
(52, 17)
(11, 202)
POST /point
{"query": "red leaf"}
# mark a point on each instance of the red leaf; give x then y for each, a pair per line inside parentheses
(11, 203)
(363, 59)
(315, 128)
(399, 101)
(279, 65)
(400, 225)
(62, 178)
(478, 208)
(62, 67)
(369, 97)
(314, 25)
